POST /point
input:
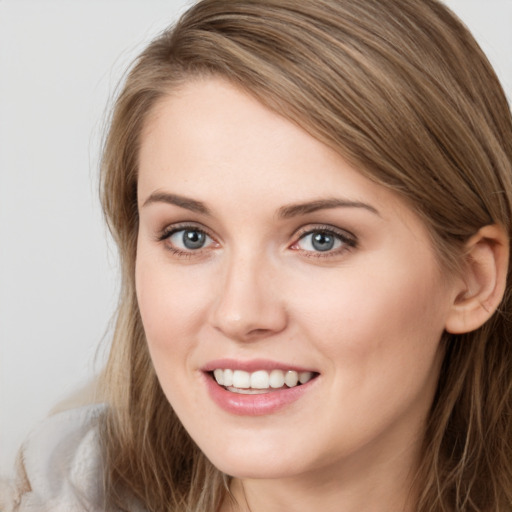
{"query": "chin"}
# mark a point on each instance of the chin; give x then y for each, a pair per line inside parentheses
(249, 468)
(260, 459)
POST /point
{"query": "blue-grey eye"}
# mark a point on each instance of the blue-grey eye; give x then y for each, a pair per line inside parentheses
(193, 239)
(189, 239)
(320, 241)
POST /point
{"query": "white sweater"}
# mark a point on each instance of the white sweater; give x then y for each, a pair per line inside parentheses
(63, 465)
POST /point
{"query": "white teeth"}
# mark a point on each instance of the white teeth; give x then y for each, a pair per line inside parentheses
(276, 379)
(291, 378)
(228, 377)
(261, 379)
(219, 376)
(241, 379)
(305, 377)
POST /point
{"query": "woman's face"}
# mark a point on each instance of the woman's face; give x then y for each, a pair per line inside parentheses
(263, 258)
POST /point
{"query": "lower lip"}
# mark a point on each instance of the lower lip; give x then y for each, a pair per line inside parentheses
(255, 405)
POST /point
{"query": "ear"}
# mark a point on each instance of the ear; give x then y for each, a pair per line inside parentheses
(483, 280)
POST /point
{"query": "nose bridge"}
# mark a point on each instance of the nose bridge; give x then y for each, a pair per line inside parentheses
(248, 305)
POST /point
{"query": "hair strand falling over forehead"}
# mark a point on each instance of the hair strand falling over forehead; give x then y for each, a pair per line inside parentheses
(403, 92)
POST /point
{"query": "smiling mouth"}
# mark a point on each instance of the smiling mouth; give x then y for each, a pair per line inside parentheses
(260, 381)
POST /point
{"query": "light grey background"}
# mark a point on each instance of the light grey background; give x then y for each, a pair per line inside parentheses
(60, 62)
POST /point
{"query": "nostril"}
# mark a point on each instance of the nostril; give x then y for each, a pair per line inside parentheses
(258, 332)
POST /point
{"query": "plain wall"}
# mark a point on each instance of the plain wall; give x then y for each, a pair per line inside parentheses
(60, 62)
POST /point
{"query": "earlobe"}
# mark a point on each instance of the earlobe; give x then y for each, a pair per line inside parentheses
(484, 278)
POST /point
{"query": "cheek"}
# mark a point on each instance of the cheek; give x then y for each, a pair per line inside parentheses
(171, 301)
(172, 308)
(383, 323)
(379, 336)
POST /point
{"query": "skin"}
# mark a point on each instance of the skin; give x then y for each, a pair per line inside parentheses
(367, 315)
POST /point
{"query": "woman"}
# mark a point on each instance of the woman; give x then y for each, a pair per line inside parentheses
(312, 203)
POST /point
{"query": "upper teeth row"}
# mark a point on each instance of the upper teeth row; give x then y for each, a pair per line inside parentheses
(260, 379)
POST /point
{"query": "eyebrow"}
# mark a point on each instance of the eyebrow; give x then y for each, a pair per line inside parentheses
(293, 210)
(285, 212)
(177, 200)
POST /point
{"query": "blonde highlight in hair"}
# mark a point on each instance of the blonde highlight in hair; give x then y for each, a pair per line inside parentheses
(403, 92)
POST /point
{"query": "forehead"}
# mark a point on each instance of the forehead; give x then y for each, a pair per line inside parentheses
(222, 122)
(211, 134)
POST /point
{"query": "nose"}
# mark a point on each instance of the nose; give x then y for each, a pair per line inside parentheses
(249, 305)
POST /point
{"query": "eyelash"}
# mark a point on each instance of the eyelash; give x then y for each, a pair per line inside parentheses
(348, 240)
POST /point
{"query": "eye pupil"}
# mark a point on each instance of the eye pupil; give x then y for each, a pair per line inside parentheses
(322, 241)
(193, 239)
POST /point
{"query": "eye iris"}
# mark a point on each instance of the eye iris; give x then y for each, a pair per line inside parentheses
(193, 239)
(322, 241)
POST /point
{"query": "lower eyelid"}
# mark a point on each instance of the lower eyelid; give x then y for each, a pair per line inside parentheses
(180, 253)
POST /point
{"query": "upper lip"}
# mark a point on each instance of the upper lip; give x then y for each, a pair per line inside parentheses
(252, 365)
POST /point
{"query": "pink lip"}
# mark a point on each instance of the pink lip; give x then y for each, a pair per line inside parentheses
(253, 405)
(251, 366)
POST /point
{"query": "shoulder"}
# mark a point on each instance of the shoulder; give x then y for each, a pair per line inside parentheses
(62, 464)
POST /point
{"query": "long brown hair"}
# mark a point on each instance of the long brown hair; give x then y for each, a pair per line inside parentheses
(403, 92)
